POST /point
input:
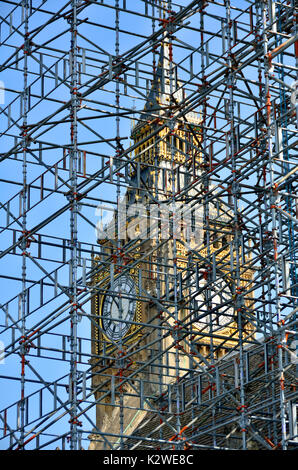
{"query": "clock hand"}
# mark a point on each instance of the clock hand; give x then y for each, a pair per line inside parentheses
(117, 302)
(124, 310)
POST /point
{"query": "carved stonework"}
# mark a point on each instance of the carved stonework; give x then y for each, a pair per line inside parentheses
(162, 148)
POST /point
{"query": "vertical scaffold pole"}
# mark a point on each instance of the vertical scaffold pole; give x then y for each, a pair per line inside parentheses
(25, 144)
(73, 161)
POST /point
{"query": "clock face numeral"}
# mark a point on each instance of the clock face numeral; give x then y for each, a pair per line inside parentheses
(215, 303)
(119, 307)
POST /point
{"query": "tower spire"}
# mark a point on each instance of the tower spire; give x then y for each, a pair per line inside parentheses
(159, 95)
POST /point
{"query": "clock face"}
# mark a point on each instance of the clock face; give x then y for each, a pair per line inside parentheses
(214, 302)
(118, 307)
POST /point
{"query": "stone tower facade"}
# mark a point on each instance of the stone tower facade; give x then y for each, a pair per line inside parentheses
(161, 258)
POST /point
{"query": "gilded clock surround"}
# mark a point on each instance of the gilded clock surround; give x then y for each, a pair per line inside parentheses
(134, 331)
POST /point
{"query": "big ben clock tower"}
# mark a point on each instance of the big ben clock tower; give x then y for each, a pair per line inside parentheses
(165, 274)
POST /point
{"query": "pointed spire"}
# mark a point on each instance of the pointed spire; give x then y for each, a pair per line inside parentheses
(159, 94)
(158, 98)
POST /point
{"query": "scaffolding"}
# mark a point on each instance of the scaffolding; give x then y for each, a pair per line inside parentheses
(176, 106)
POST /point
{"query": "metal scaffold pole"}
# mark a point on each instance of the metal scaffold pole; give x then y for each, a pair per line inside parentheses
(73, 166)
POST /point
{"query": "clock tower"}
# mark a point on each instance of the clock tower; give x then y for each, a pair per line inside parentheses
(164, 279)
